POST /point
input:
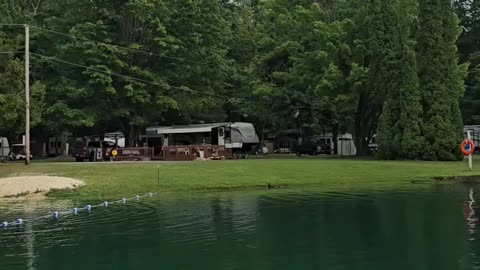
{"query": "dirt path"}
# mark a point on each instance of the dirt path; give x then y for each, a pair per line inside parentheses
(35, 184)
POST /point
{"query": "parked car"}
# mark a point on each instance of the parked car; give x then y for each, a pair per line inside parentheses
(324, 146)
(91, 151)
(282, 151)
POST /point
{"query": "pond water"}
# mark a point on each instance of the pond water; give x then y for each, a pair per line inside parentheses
(426, 228)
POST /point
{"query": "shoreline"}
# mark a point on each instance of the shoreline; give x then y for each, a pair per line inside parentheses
(111, 180)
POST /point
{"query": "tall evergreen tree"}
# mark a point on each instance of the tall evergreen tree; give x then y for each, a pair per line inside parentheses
(469, 51)
(441, 78)
(399, 132)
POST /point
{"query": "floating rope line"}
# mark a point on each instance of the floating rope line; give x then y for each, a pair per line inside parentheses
(56, 215)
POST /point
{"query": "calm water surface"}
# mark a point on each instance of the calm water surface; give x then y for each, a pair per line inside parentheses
(425, 228)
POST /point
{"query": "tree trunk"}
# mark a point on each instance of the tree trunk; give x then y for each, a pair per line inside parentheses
(335, 139)
(132, 135)
(262, 137)
(366, 118)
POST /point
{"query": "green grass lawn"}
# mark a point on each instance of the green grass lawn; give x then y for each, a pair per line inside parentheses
(111, 180)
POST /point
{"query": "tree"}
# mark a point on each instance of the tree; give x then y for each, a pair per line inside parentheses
(84, 91)
(441, 79)
(185, 69)
(399, 131)
(12, 70)
(303, 62)
(469, 52)
(367, 102)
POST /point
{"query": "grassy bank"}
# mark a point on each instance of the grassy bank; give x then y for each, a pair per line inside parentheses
(111, 180)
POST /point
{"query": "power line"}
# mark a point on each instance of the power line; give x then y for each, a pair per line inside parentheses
(118, 47)
(124, 76)
(10, 52)
(121, 47)
(92, 68)
(11, 24)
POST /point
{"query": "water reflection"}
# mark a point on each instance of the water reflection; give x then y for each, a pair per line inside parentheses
(30, 245)
(420, 229)
(469, 213)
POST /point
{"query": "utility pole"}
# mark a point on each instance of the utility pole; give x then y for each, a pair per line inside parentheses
(27, 95)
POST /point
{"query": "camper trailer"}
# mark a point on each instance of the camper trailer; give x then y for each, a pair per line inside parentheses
(240, 137)
(474, 133)
(4, 147)
(118, 138)
(54, 146)
(58, 145)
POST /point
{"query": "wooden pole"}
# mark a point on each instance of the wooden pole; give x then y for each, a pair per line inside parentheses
(27, 95)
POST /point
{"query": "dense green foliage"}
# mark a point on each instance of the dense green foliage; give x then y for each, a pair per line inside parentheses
(311, 66)
(12, 70)
(441, 79)
(469, 51)
(399, 130)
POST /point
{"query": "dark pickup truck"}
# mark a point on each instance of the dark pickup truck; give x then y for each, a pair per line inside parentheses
(92, 151)
(313, 147)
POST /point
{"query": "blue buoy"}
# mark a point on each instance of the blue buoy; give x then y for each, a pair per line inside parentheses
(4, 225)
(56, 215)
(105, 204)
(75, 211)
(88, 208)
(124, 201)
(150, 194)
(19, 221)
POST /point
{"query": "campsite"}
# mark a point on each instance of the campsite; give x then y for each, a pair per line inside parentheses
(239, 134)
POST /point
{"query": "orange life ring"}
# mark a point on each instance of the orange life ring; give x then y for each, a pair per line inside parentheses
(467, 147)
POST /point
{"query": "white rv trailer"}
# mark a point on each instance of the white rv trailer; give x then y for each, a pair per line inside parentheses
(58, 145)
(474, 133)
(4, 147)
(238, 136)
(116, 137)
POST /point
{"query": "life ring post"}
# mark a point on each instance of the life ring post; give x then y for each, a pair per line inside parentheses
(468, 148)
(470, 162)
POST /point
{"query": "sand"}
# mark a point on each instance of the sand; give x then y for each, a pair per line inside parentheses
(35, 184)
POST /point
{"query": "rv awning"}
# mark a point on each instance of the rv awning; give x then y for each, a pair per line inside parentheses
(183, 129)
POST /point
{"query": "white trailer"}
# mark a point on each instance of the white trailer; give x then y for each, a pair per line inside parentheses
(58, 145)
(475, 134)
(4, 147)
(115, 137)
(238, 136)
